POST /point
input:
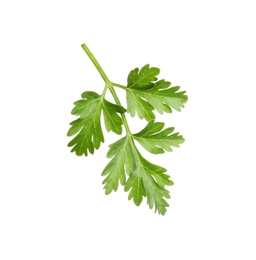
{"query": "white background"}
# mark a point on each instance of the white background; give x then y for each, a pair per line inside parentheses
(52, 204)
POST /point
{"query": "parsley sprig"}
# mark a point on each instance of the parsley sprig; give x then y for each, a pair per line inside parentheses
(145, 94)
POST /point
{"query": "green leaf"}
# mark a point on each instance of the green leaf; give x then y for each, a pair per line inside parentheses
(144, 94)
(148, 180)
(136, 187)
(156, 141)
(144, 178)
(112, 120)
(88, 126)
(127, 167)
(121, 162)
(142, 78)
(139, 105)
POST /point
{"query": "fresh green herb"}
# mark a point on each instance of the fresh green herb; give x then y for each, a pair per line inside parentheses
(144, 94)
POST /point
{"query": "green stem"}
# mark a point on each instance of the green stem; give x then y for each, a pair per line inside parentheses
(126, 126)
(96, 64)
(109, 85)
(119, 86)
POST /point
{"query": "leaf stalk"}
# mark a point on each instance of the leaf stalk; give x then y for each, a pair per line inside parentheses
(109, 85)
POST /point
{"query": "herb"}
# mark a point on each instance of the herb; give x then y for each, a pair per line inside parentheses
(145, 94)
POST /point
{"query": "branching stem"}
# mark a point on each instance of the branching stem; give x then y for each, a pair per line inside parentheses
(109, 85)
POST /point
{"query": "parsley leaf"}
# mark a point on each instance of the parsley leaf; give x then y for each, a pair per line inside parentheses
(113, 121)
(149, 180)
(142, 78)
(156, 141)
(144, 94)
(88, 126)
(144, 178)
(127, 167)
(122, 161)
